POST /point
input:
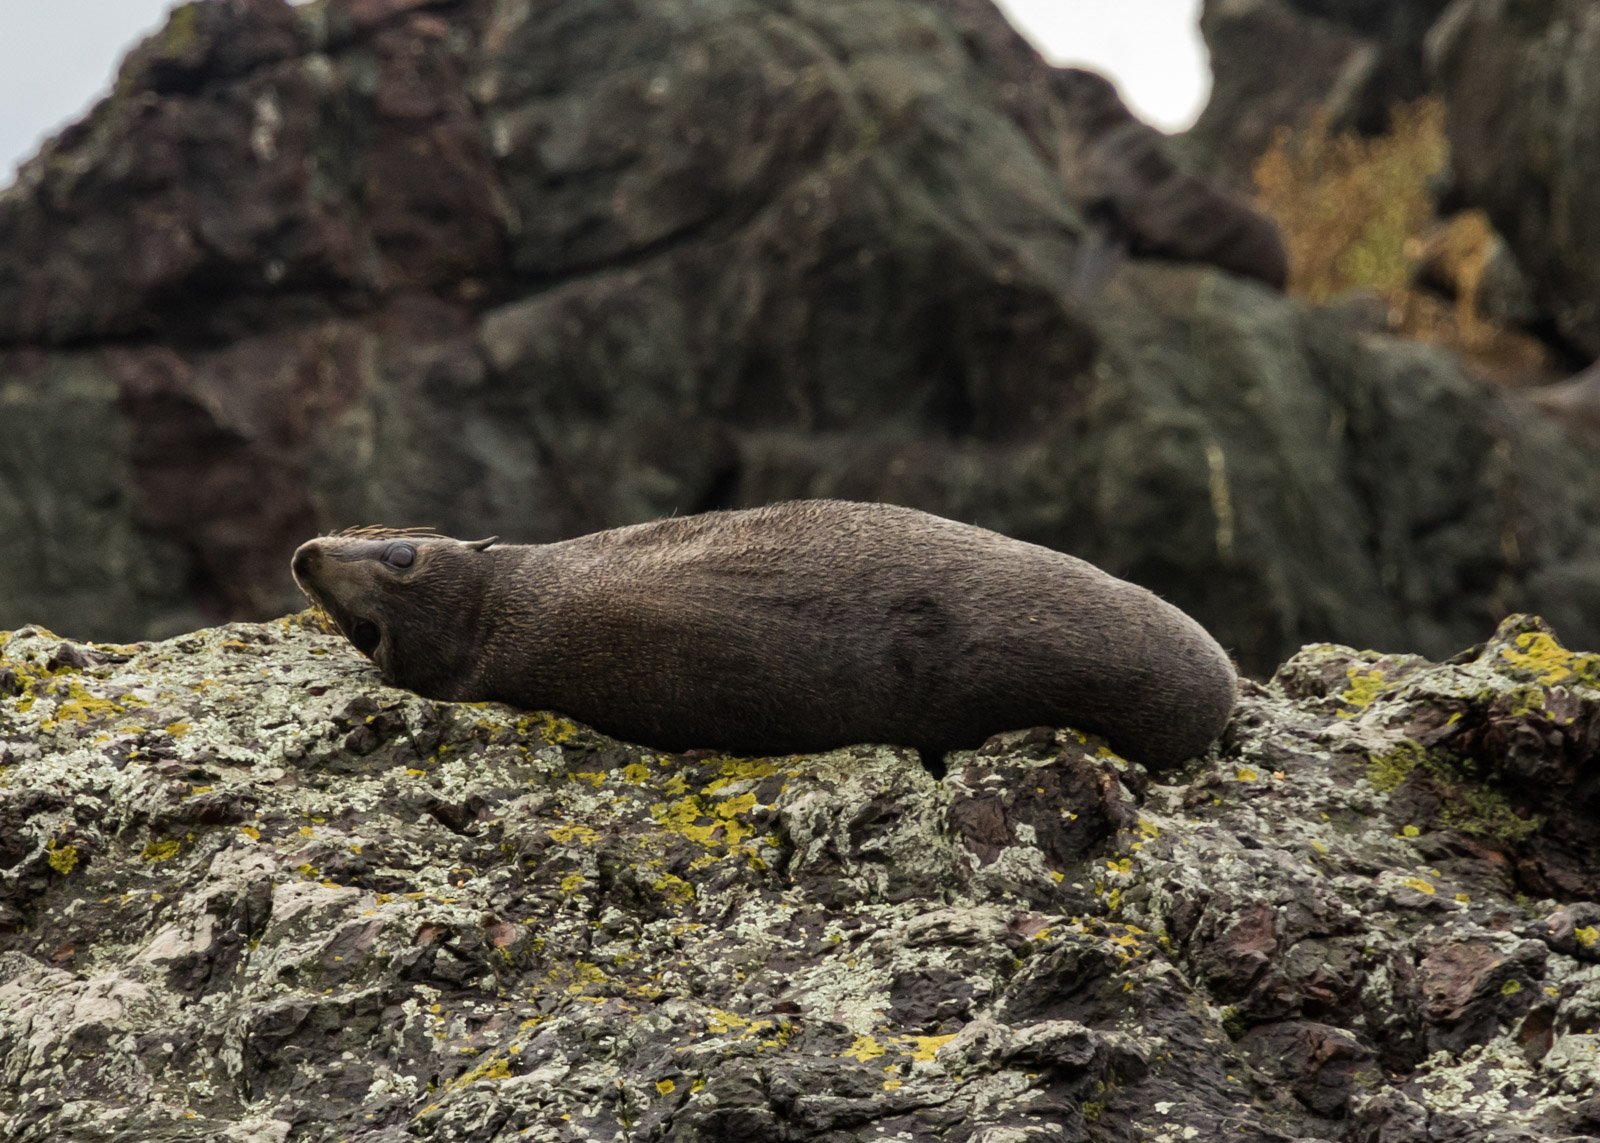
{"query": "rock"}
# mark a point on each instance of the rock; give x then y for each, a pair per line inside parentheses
(1324, 1065)
(533, 270)
(1574, 402)
(1522, 118)
(1130, 179)
(1258, 88)
(1353, 62)
(248, 892)
(1464, 259)
(1303, 431)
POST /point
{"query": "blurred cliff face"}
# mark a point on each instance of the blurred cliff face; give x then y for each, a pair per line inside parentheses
(535, 269)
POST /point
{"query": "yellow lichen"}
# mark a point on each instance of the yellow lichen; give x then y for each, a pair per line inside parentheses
(495, 1068)
(720, 1021)
(710, 827)
(675, 889)
(161, 850)
(748, 768)
(62, 858)
(864, 1048)
(180, 35)
(666, 1087)
(585, 976)
(1388, 770)
(575, 833)
(1364, 689)
(81, 707)
(1539, 653)
(1421, 885)
(924, 1048)
(554, 729)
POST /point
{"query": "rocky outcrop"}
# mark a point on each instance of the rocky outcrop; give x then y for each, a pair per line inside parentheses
(1134, 189)
(1276, 63)
(1524, 127)
(1300, 470)
(249, 893)
(1575, 401)
(529, 270)
(1521, 108)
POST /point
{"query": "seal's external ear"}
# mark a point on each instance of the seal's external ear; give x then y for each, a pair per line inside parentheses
(481, 545)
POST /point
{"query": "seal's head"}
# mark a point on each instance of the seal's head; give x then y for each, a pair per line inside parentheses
(408, 599)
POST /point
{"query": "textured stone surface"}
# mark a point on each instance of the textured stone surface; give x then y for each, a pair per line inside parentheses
(1351, 60)
(1522, 83)
(1311, 481)
(247, 892)
(1574, 402)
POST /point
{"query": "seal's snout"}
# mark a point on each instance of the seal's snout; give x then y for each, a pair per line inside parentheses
(304, 565)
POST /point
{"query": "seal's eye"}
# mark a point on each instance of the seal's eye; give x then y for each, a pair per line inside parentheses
(399, 555)
(364, 634)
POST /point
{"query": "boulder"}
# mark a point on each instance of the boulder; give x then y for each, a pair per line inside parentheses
(1524, 127)
(247, 892)
(1278, 63)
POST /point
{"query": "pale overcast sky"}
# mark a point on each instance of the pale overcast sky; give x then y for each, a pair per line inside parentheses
(57, 56)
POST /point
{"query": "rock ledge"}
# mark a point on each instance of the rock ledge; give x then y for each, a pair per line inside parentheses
(249, 893)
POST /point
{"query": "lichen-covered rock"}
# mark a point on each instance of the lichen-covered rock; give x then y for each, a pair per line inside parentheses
(249, 893)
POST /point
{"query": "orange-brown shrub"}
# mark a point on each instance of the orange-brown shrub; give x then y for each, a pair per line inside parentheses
(1347, 205)
(1357, 213)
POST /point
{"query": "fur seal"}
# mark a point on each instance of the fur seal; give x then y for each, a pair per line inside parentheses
(798, 627)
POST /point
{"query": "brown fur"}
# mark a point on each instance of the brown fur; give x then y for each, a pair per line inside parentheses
(798, 627)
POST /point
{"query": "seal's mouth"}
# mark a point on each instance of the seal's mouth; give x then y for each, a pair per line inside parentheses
(364, 635)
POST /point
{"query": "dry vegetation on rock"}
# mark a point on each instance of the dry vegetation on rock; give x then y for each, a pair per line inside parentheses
(1358, 214)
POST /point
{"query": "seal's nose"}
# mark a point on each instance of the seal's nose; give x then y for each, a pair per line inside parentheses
(305, 561)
